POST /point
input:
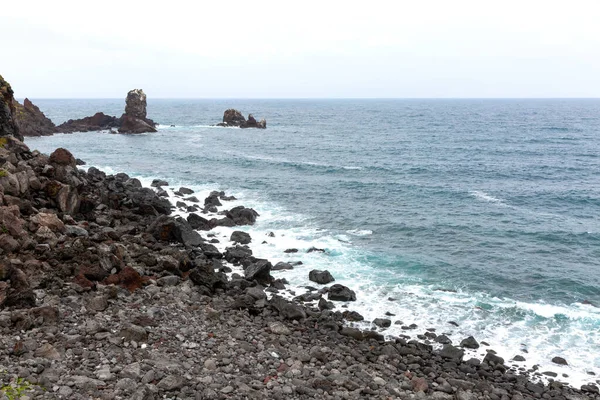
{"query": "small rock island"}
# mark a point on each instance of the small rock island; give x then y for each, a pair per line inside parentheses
(234, 118)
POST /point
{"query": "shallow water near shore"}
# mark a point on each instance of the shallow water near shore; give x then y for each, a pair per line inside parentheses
(480, 212)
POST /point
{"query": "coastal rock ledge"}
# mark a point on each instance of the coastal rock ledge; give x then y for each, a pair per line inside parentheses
(233, 117)
(134, 120)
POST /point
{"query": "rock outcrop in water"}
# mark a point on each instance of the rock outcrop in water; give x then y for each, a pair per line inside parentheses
(134, 120)
(97, 122)
(32, 122)
(234, 118)
(8, 122)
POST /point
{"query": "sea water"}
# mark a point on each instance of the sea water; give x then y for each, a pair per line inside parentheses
(479, 213)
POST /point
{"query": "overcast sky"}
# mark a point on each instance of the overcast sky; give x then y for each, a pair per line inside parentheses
(282, 49)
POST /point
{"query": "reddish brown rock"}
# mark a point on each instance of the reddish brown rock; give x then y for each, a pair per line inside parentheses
(48, 220)
(128, 278)
(419, 384)
(64, 157)
(10, 221)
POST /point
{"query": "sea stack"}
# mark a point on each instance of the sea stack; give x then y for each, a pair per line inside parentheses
(134, 120)
(233, 117)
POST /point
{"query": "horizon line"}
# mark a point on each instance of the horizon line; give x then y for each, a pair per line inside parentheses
(318, 98)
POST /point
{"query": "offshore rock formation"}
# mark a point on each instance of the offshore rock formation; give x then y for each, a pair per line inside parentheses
(134, 119)
(8, 123)
(97, 122)
(233, 117)
(31, 121)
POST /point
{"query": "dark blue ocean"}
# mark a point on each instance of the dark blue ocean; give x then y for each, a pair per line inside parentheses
(481, 212)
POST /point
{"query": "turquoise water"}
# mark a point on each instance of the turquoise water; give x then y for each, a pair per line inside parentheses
(483, 212)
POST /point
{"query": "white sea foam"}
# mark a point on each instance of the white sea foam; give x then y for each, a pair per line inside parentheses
(360, 232)
(480, 195)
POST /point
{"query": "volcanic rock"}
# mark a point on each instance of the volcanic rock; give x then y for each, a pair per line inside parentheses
(339, 292)
(134, 120)
(240, 237)
(8, 120)
(322, 277)
(233, 117)
(97, 122)
(32, 122)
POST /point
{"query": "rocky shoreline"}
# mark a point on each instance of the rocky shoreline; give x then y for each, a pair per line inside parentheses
(104, 294)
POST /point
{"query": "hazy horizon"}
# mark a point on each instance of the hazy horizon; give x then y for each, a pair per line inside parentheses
(271, 50)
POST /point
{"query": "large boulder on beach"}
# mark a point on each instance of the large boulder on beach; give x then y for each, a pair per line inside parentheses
(240, 237)
(31, 121)
(259, 271)
(339, 292)
(322, 277)
(8, 120)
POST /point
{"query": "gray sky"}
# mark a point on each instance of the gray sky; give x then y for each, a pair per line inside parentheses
(272, 49)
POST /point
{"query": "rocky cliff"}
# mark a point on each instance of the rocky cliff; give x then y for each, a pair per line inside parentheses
(8, 122)
(31, 121)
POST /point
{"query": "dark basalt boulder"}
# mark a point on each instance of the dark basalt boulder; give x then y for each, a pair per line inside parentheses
(452, 353)
(212, 200)
(175, 230)
(470, 343)
(205, 275)
(8, 120)
(339, 292)
(240, 237)
(242, 215)
(259, 271)
(234, 118)
(322, 277)
(134, 125)
(31, 121)
(199, 223)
